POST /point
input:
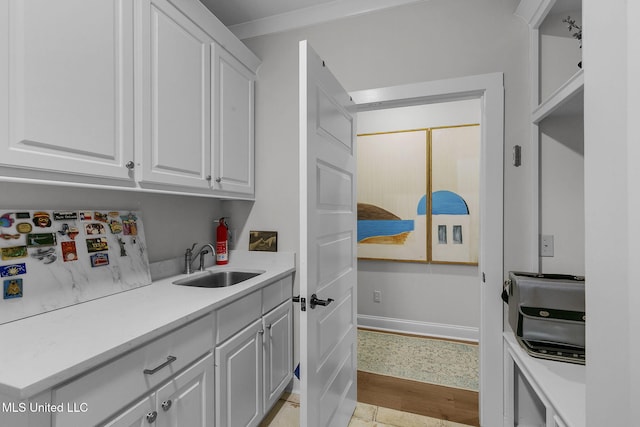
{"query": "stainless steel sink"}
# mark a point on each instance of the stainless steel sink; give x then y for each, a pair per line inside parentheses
(218, 279)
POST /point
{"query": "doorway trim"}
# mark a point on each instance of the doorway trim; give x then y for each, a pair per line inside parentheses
(489, 88)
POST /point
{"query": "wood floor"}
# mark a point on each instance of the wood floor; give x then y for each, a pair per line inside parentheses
(435, 401)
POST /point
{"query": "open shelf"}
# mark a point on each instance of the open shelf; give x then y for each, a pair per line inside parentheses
(561, 384)
(568, 99)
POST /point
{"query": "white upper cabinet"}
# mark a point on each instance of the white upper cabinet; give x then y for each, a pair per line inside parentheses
(233, 124)
(66, 87)
(175, 94)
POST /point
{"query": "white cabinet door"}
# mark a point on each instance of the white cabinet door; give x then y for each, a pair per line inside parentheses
(67, 87)
(140, 414)
(187, 400)
(239, 378)
(174, 92)
(278, 352)
(233, 115)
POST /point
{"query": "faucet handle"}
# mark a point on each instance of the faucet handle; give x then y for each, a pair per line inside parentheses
(190, 250)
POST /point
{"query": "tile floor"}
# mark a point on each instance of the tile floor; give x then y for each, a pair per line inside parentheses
(286, 413)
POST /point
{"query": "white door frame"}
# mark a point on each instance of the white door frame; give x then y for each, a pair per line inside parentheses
(489, 88)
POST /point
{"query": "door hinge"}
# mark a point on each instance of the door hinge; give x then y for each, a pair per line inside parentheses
(484, 278)
(302, 301)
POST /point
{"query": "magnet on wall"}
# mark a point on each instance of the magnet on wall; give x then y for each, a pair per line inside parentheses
(99, 216)
(6, 220)
(129, 224)
(42, 219)
(97, 245)
(69, 252)
(12, 288)
(86, 215)
(13, 270)
(46, 255)
(61, 216)
(24, 227)
(99, 259)
(41, 239)
(14, 252)
(94, 228)
(115, 226)
(23, 215)
(123, 252)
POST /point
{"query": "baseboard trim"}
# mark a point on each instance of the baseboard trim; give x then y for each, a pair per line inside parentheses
(438, 330)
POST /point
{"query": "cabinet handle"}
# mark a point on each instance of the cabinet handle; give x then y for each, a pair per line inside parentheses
(130, 165)
(218, 180)
(170, 360)
(208, 178)
(166, 405)
(151, 417)
(261, 331)
(269, 326)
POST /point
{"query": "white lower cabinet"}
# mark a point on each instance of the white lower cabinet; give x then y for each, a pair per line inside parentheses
(278, 352)
(238, 378)
(182, 401)
(254, 365)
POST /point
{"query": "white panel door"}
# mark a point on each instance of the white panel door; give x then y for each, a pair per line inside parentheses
(238, 392)
(327, 246)
(66, 86)
(233, 137)
(174, 83)
(187, 400)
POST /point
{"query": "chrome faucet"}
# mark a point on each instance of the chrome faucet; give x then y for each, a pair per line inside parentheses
(188, 256)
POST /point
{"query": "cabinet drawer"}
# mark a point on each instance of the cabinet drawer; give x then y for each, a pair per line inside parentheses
(237, 315)
(276, 293)
(109, 388)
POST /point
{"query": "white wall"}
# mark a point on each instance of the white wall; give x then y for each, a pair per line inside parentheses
(444, 286)
(430, 40)
(611, 154)
(171, 223)
(562, 193)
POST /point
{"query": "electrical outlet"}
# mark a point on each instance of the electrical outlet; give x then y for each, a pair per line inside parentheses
(377, 296)
(546, 245)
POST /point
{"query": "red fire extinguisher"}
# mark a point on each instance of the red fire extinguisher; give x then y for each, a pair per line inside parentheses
(222, 238)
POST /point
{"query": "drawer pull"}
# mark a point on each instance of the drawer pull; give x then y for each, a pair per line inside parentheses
(151, 417)
(170, 360)
(166, 405)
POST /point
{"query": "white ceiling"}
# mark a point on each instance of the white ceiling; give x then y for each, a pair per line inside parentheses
(233, 12)
(251, 18)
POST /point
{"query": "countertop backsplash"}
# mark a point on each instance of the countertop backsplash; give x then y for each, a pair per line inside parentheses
(52, 258)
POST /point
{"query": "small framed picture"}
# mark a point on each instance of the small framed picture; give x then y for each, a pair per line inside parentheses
(263, 241)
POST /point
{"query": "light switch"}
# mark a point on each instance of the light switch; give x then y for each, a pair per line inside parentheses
(546, 245)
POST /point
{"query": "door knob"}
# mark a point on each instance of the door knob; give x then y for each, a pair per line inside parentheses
(166, 405)
(151, 417)
(315, 301)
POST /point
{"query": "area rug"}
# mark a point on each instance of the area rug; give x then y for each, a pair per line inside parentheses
(434, 361)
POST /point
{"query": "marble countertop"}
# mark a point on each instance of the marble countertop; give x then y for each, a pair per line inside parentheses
(44, 350)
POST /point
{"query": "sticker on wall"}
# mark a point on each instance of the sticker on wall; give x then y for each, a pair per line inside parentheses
(99, 216)
(129, 225)
(69, 252)
(47, 256)
(13, 270)
(41, 239)
(42, 219)
(14, 252)
(24, 227)
(97, 245)
(98, 260)
(62, 216)
(6, 220)
(94, 228)
(12, 288)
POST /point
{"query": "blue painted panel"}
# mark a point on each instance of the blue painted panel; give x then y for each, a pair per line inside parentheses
(372, 228)
(448, 203)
